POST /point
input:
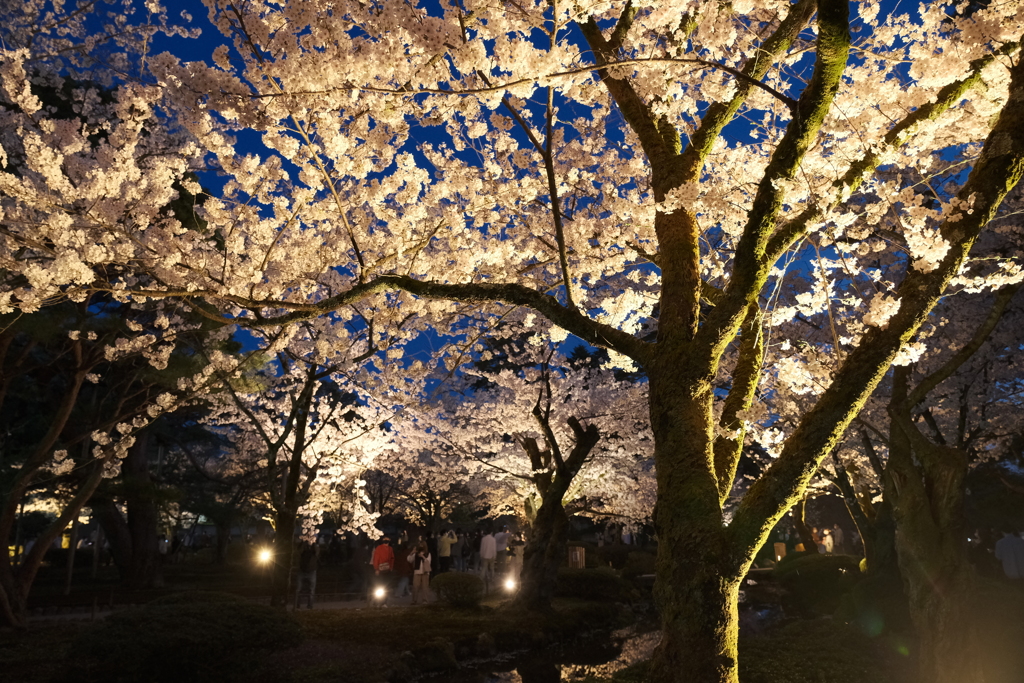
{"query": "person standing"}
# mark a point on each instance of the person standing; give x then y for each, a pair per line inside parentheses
(419, 559)
(383, 563)
(838, 540)
(432, 549)
(403, 569)
(444, 551)
(488, 551)
(459, 551)
(501, 549)
(474, 548)
(827, 541)
(1010, 549)
(306, 580)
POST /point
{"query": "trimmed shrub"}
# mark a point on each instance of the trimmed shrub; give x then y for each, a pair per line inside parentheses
(638, 563)
(592, 584)
(815, 583)
(458, 589)
(614, 554)
(190, 641)
(197, 598)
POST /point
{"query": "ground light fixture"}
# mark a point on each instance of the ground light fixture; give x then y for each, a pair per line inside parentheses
(510, 585)
(379, 593)
(264, 556)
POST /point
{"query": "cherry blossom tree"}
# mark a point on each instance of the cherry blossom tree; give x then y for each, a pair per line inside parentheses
(641, 176)
(80, 381)
(555, 440)
(308, 430)
(951, 409)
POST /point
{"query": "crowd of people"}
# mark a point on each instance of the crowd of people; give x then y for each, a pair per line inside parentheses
(402, 564)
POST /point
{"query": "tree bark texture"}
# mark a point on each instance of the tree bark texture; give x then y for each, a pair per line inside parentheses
(549, 534)
(134, 545)
(543, 554)
(931, 542)
(144, 570)
(698, 572)
(802, 530)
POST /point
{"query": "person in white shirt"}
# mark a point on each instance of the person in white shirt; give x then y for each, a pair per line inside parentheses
(488, 551)
(420, 561)
(1010, 549)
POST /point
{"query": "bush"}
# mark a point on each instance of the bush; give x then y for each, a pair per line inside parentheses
(820, 650)
(182, 640)
(816, 583)
(197, 598)
(592, 584)
(638, 563)
(614, 554)
(458, 589)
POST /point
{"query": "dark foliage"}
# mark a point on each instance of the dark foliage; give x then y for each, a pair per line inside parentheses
(458, 589)
(183, 638)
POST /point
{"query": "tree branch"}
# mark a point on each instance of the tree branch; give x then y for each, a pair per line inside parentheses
(751, 268)
(996, 173)
(1003, 298)
(512, 294)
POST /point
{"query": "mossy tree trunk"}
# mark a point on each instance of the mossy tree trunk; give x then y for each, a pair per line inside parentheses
(874, 521)
(932, 546)
(549, 533)
(927, 478)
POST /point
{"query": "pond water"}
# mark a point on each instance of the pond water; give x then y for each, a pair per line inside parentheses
(599, 655)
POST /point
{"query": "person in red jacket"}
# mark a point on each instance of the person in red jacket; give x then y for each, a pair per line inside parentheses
(383, 563)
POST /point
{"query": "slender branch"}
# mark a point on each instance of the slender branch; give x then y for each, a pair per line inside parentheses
(556, 208)
(751, 268)
(947, 97)
(925, 386)
(746, 378)
(508, 85)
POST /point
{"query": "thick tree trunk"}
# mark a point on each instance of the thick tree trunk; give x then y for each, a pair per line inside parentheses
(544, 553)
(698, 573)
(875, 523)
(931, 541)
(879, 538)
(115, 528)
(134, 545)
(283, 544)
(699, 642)
(144, 569)
(550, 531)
